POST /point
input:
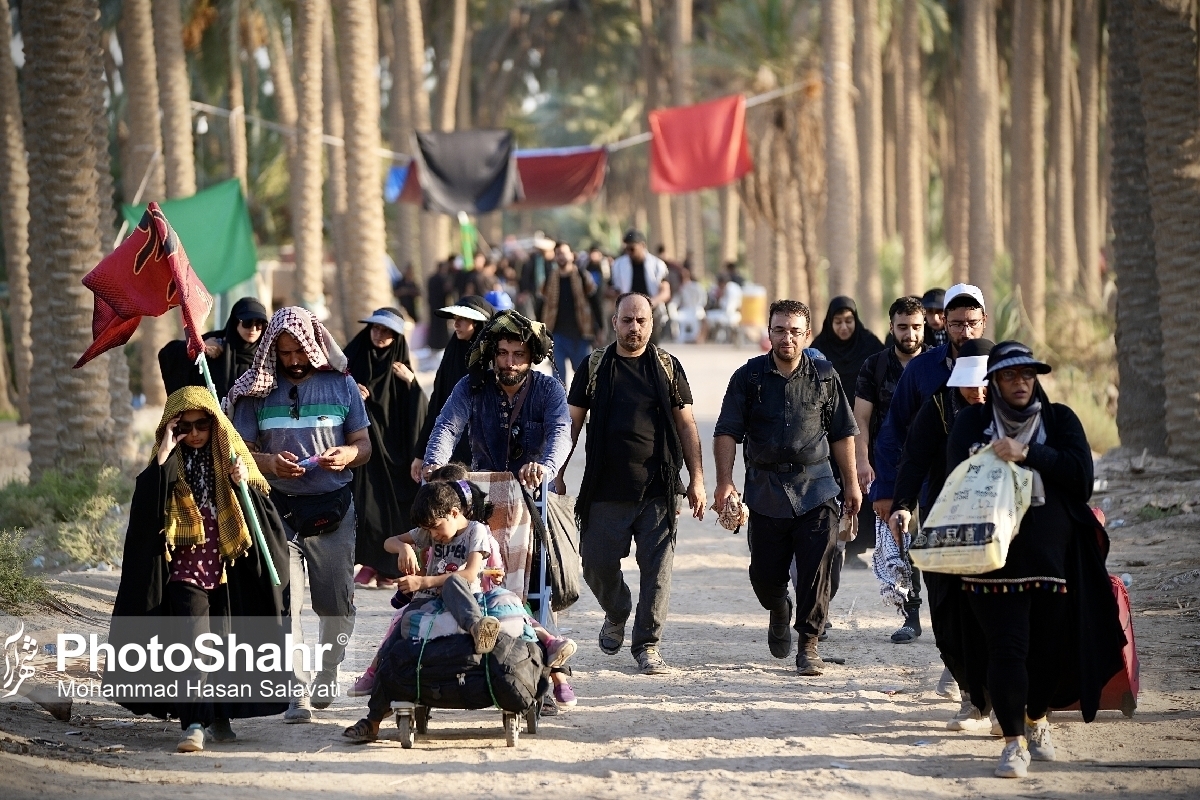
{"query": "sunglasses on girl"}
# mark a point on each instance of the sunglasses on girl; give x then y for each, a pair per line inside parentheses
(183, 428)
(253, 324)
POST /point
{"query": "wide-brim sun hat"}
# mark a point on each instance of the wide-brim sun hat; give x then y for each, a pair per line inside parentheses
(472, 307)
(390, 318)
(971, 366)
(1011, 355)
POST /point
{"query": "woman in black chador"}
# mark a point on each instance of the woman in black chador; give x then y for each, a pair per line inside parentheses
(189, 554)
(383, 488)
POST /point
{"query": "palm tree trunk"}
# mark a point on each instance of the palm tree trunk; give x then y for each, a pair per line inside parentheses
(868, 81)
(978, 83)
(306, 168)
(681, 91)
(958, 236)
(1166, 48)
(238, 148)
(359, 60)
(1028, 195)
(1140, 419)
(662, 231)
(335, 125)
(14, 216)
(400, 128)
(143, 160)
(281, 77)
(448, 91)
(1061, 135)
(731, 205)
(70, 409)
(910, 162)
(432, 246)
(893, 121)
(841, 154)
(174, 95)
(1087, 161)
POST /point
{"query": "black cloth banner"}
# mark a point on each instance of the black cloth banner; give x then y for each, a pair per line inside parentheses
(471, 171)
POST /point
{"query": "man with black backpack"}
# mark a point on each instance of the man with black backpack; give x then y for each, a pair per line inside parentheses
(792, 417)
(641, 432)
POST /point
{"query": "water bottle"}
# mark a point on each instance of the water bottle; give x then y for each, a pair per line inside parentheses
(1126, 579)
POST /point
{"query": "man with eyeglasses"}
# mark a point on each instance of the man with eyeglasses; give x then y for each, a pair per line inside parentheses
(638, 270)
(792, 417)
(306, 425)
(925, 375)
(641, 433)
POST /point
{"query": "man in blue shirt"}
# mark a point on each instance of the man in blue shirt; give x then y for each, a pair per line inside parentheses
(518, 417)
(966, 318)
(306, 425)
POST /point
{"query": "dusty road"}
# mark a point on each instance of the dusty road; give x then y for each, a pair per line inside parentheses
(729, 721)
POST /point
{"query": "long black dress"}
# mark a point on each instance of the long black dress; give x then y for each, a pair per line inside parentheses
(383, 488)
(1061, 538)
(452, 369)
(145, 571)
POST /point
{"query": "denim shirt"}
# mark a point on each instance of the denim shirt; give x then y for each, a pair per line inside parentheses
(781, 425)
(544, 422)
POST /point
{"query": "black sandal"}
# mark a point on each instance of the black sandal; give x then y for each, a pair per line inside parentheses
(362, 731)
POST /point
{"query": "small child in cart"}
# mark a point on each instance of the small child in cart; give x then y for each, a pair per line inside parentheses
(448, 512)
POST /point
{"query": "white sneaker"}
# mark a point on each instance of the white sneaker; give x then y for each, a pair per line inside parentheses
(968, 718)
(1038, 735)
(948, 687)
(1014, 761)
(192, 740)
(997, 730)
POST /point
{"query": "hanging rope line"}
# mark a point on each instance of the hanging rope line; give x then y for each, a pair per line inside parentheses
(403, 158)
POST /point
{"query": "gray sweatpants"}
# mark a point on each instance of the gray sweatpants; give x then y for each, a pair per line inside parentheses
(611, 528)
(329, 561)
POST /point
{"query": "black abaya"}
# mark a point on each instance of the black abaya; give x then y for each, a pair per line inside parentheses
(383, 489)
(846, 356)
(452, 369)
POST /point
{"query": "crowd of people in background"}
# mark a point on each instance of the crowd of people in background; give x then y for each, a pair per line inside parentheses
(845, 438)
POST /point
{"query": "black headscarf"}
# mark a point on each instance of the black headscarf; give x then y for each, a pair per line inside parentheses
(846, 356)
(238, 354)
(383, 489)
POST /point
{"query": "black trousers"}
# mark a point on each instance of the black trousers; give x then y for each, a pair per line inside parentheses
(198, 605)
(811, 539)
(1024, 633)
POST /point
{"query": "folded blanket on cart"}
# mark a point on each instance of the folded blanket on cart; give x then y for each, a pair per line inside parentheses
(512, 526)
(433, 621)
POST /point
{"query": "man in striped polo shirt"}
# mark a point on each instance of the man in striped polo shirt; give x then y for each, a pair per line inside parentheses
(305, 423)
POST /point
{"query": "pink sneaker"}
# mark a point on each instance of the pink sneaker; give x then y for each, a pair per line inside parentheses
(364, 685)
(563, 694)
(558, 650)
(365, 577)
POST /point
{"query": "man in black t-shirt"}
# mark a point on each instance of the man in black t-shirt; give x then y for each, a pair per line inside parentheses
(641, 432)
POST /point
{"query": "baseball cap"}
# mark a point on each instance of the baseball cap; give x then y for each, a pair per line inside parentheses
(959, 290)
(634, 236)
(934, 299)
(970, 368)
(249, 308)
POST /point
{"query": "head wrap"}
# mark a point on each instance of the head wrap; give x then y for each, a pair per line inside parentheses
(846, 355)
(509, 324)
(322, 351)
(183, 526)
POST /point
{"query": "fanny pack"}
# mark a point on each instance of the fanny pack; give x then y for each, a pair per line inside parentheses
(314, 514)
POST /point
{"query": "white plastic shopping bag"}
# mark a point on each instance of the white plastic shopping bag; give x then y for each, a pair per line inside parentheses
(975, 517)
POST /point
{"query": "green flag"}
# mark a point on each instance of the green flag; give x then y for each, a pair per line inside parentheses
(214, 227)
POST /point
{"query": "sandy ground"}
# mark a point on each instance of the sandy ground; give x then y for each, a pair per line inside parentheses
(730, 720)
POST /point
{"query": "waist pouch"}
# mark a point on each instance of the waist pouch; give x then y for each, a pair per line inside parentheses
(314, 514)
(447, 673)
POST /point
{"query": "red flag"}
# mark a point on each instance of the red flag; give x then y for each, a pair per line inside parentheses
(699, 147)
(146, 276)
(562, 176)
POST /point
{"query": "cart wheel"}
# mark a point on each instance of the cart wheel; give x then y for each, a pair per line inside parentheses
(531, 720)
(512, 729)
(421, 718)
(405, 723)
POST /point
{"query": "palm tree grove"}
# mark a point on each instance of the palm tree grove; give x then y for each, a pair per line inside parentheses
(730, 398)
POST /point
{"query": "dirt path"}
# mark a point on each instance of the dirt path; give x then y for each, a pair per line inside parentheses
(730, 721)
